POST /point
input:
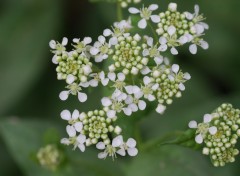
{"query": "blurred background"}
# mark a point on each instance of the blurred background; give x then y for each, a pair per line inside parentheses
(29, 104)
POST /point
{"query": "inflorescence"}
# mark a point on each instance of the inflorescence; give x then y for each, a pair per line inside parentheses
(136, 72)
(219, 133)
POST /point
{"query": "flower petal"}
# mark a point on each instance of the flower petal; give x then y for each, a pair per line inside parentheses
(142, 104)
(117, 141)
(212, 130)
(87, 40)
(81, 147)
(81, 138)
(174, 51)
(199, 139)
(112, 76)
(132, 151)
(111, 114)
(133, 10)
(175, 68)
(52, 44)
(82, 97)
(153, 7)
(146, 80)
(142, 24)
(100, 145)
(121, 152)
(64, 41)
(131, 143)
(121, 76)
(65, 115)
(171, 30)
(160, 108)
(155, 18)
(207, 118)
(64, 95)
(193, 48)
(71, 131)
(70, 79)
(106, 101)
(78, 126)
(192, 124)
(102, 155)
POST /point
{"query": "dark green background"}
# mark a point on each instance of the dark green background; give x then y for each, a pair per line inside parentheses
(29, 104)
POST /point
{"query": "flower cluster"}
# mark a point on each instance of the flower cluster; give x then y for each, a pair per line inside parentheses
(125, 3)
(135, 72)
(219, 132)
(49, 157)
(175, 28)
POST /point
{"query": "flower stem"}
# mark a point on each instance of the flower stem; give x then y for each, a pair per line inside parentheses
(153, 31)
(119, 12)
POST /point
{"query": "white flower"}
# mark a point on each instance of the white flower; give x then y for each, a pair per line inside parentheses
(149, 88)
(74, 89)
(170, 40)
(98, 77)
(178, 76)
(72, 119)
(58, 48)
(109, 150)
(160, 109)
(153, 51)
(100, 49)
(201, 43)
(203, 128)
(129, 146)
(124, 24)
(146, 14)
(119, 82)
(82, 47)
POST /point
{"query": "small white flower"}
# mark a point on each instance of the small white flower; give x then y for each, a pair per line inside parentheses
(72, 119)
(170, 40)
(98, 77)
(109, 150)
(203, 128)
(160, 109)
(193, 47)
(124, 24)
(58, 48)
(130, 147)
(82, 47)
(74, 89)
(153, 51)
(149, 88)
(146, 14)
(100, 49)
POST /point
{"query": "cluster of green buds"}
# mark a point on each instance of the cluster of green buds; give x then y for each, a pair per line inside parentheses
(125, 3)
(219, 132)
(134, 72)
(49, 157)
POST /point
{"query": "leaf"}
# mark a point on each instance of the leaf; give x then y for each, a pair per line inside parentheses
(169, 161)
(24, 138)
(26, 29)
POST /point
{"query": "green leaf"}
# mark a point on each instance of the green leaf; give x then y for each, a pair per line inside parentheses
(24, 138)
(26, 28)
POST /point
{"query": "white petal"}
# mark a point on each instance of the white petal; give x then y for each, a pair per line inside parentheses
(102, 155)
(160, 109)
(133, 107)
(145, 52)
(199, 29)
(171, 30)
(106, 101)
(112, 76)
(135, 89)
(100, 145)
(94, 51)
(81, 147)
(54, 59)
(175, 68)
(131, 143)
(192, 124)
(75, 114)
(212, 130)
(155, 86)
(181, 86)
(146, 80)
(207, 118)
(199, 139)
(117, 141)
(133, 10)
(107, 32)
(93, 83)
(113, 41)
(174, 51)
(64, 41)
(162, 40)
(76, 40)
(87, 40)
(127, 111)
(87, 69)
(121, 152)
(150, 41)
(163, 47)
(71, 131)
(188, 15)
(196, 9)
(129, 89)
(84, 84)
(105, 81)
(121, 76)
(183, 40)
(204, 44)
(111, 114)
(153, 7)
(82, 97)
(52, 44)
(145, 70)
(101, 39)
(64, 95)
(142, 104)
(158, 60)
(138, 95)
(187, 76)
(155, 18)
(81, 138)
(193, 48)
(65, 115)
(78, 126)
(70, 79)
(151, 97)
(171, 77)
(142, 24)
(132, 151)
(65, 141)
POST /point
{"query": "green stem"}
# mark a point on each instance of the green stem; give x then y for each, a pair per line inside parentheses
(153, 31)
(119, 11)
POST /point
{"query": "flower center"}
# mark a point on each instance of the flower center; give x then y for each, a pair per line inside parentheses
(145, 13)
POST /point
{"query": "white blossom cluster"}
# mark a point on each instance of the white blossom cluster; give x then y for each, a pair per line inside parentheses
(174, 28)
(219, 132)
(135, 71)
